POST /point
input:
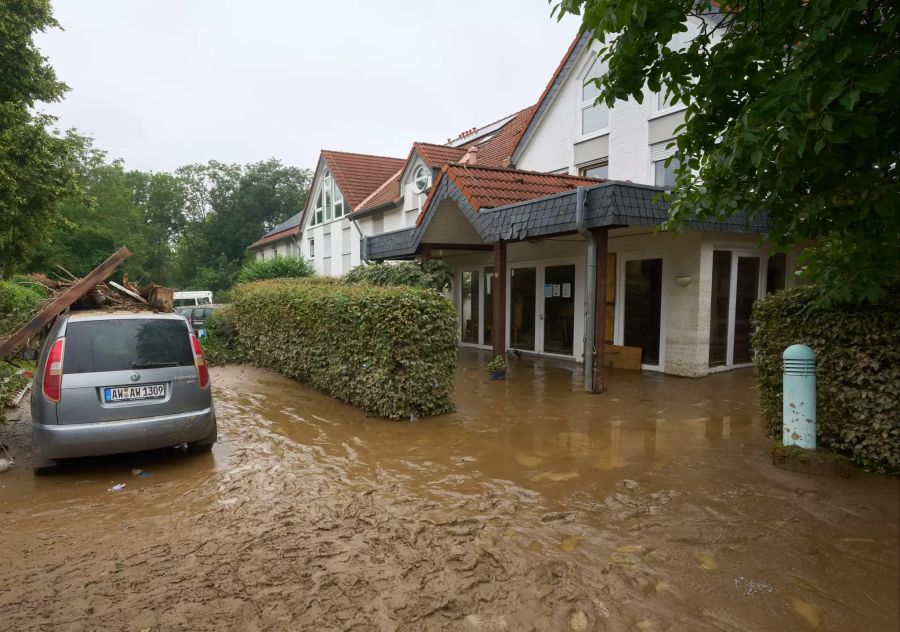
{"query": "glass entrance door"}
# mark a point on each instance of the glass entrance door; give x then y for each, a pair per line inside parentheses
(735, 287)
(522, 303)
(559, 309)
(641, 326)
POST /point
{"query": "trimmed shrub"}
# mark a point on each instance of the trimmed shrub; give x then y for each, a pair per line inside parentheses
(221, 344)
(857, 370)
(388, 350)
(275, 268)
(18, 302)
(434, 274)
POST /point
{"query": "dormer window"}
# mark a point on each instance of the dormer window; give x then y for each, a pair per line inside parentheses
(421, 179)
(329, 201)
(594, 117)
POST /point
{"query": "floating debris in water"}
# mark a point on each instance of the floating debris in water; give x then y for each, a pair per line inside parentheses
(707, 561)
(569, 543)
(810, 613)
(578, 621)
(529, 460)
(141, 473)
(750, 586)
(555, 476)
(117, 487)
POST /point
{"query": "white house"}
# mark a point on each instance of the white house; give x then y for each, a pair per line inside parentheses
(548, 218)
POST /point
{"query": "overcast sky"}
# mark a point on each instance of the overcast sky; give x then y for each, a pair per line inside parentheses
(162, 83)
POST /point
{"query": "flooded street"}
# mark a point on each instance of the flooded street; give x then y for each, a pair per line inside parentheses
(534, 507)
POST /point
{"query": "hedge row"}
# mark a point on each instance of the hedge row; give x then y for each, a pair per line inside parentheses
(434, 274)
(857, 370)
(388, 350)
(19, 300)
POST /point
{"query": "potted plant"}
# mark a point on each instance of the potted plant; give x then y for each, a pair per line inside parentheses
(497, 368)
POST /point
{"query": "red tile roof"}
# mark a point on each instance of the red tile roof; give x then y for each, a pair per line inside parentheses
(267, 239)
(359, 175)
(491, 187)
(437, 155)
(494, 152)
(497, 151)
(388, 192)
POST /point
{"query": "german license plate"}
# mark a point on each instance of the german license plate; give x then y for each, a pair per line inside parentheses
(131, 393)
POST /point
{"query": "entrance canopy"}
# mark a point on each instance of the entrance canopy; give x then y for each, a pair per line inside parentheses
(513, 205)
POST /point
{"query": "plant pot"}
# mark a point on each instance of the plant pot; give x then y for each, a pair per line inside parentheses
(498, 375)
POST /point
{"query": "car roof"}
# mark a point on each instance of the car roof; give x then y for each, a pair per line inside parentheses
(116, 314)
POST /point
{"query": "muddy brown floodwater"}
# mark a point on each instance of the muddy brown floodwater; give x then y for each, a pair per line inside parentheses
(534, 507)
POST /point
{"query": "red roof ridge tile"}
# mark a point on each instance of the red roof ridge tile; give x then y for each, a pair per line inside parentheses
(356, 153)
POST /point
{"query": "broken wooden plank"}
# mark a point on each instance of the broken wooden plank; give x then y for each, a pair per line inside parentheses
(61, 302)
(126, 291)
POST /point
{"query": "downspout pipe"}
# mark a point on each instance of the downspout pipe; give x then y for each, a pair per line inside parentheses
(590, 304)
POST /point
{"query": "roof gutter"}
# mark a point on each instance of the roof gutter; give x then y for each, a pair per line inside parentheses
(590, 305)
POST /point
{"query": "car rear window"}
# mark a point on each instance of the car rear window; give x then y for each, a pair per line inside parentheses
(124, 344)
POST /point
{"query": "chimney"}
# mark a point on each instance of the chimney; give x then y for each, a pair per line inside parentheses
(471, 157)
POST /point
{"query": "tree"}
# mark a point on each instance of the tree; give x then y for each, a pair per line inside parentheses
(36, 169)
(227, 208)
(791, 112)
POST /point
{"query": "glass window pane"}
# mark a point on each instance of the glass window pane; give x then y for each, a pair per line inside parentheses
(488, 304)
(126, 344)
(665, 176)
(559, 309)
(597, 171)
(664, 99)
(594, 118)
(522, 308)
(590, 91)
(776, 272)
(470, 296)
(746, 293)
(329, 203)
(718, 316)
(643, 307)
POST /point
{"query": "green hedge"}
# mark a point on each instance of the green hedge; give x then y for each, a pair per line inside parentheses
(221, 344)
(19, 300)
(388, 350)
(275, 268)
(434, 274)
(857, 370)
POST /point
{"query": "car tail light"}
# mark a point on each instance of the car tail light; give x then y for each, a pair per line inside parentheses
(200, 362)
(53, 372)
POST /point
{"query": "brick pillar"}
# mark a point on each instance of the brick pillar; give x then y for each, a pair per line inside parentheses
(425, 257)
(499, 326)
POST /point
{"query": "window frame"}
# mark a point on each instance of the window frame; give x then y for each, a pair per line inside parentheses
(583, 104)
(583, 169)
(425, 175)
(311, 245)
(328, 202)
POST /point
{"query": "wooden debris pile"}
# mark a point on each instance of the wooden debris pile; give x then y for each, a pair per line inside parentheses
(94, 291)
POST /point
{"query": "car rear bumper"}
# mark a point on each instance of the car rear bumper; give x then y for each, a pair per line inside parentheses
(129, 435)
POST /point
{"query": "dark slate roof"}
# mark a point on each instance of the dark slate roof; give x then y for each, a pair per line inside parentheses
(284, 230)
(608, 205)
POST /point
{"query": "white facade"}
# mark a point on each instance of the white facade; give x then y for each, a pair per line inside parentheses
(635, 138)
(329, 240)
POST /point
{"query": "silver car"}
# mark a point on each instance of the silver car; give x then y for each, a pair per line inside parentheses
(109, 382)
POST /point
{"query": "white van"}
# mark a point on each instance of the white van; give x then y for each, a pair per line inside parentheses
(187, 299)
